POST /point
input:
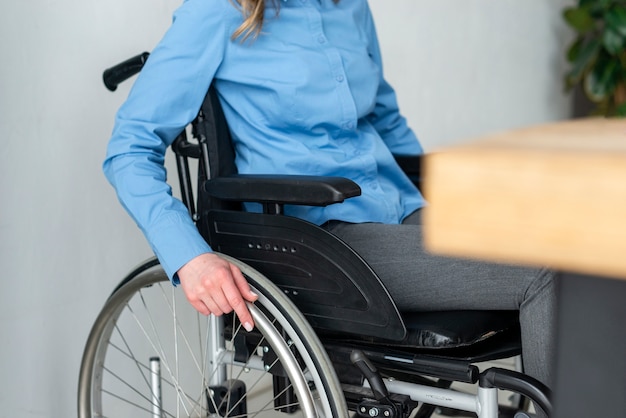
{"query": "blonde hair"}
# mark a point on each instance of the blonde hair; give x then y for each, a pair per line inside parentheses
(253, 12)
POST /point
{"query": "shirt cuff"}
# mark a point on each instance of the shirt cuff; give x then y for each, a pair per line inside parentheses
(175, 240)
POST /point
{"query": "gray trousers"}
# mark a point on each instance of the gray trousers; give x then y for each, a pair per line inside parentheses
(419, 281)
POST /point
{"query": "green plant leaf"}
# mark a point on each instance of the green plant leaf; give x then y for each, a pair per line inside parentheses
(579, 19)
(616, 19)
(621, 110)
(613, 42)
(601, 81)
(584, 60)
(594, 3)
(574, 50)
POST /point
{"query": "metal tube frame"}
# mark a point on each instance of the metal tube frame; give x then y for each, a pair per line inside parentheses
(484, 403)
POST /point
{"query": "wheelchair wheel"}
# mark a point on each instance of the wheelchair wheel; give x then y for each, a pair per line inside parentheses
(151, 354)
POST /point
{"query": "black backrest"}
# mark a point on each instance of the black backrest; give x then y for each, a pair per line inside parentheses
(218, 156)
(221, 154)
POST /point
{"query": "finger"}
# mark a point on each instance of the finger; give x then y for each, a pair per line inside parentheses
(200, 298)
(221, 303)
(242, 284)
(239, 306)
(199, 306)
(213, 307)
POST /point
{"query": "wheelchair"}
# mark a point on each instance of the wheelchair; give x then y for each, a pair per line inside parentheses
(329, 340)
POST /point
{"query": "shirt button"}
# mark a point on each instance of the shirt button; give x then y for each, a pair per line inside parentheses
(339, 78)
(321, 39)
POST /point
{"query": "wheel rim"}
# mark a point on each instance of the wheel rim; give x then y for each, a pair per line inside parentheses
(116, 375)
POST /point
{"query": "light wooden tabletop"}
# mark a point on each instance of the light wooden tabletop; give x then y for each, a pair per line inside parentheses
(551, 195)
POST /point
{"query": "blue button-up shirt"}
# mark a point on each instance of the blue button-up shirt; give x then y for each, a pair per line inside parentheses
(306, 97)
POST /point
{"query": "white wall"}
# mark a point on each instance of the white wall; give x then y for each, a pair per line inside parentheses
(465, 68)
(461, 68)
(64, 239)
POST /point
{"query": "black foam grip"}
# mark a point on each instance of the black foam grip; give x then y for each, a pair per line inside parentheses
(124, 70)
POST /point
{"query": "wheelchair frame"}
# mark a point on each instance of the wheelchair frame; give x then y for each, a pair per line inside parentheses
(353, 343)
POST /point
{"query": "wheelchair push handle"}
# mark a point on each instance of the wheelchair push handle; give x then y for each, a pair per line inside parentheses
(113, 76)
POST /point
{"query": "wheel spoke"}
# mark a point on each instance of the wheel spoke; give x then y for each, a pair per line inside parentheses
(204, 374)
(156, 344)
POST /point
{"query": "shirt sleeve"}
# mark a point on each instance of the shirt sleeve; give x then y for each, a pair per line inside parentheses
(165, 97)
(386, 117)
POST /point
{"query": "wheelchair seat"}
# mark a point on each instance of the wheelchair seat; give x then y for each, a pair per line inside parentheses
(470, 334)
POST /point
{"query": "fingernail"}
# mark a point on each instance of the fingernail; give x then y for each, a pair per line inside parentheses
(248, 326)
(254, 294)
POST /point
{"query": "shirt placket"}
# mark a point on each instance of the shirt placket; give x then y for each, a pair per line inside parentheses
(345, 102)
(348, 119)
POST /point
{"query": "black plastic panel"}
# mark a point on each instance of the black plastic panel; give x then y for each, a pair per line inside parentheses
(332, 286)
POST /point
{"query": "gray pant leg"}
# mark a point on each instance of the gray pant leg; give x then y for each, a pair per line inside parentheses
(419, 281)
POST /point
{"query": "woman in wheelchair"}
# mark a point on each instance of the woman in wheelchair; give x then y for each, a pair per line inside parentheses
(302, 88)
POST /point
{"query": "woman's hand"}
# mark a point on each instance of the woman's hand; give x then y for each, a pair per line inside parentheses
(215, 286)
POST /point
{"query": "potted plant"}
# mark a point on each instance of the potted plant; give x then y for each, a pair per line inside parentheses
(598, 53)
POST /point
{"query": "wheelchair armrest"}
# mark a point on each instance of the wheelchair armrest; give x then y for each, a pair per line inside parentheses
(412, 167)
(282, 189)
